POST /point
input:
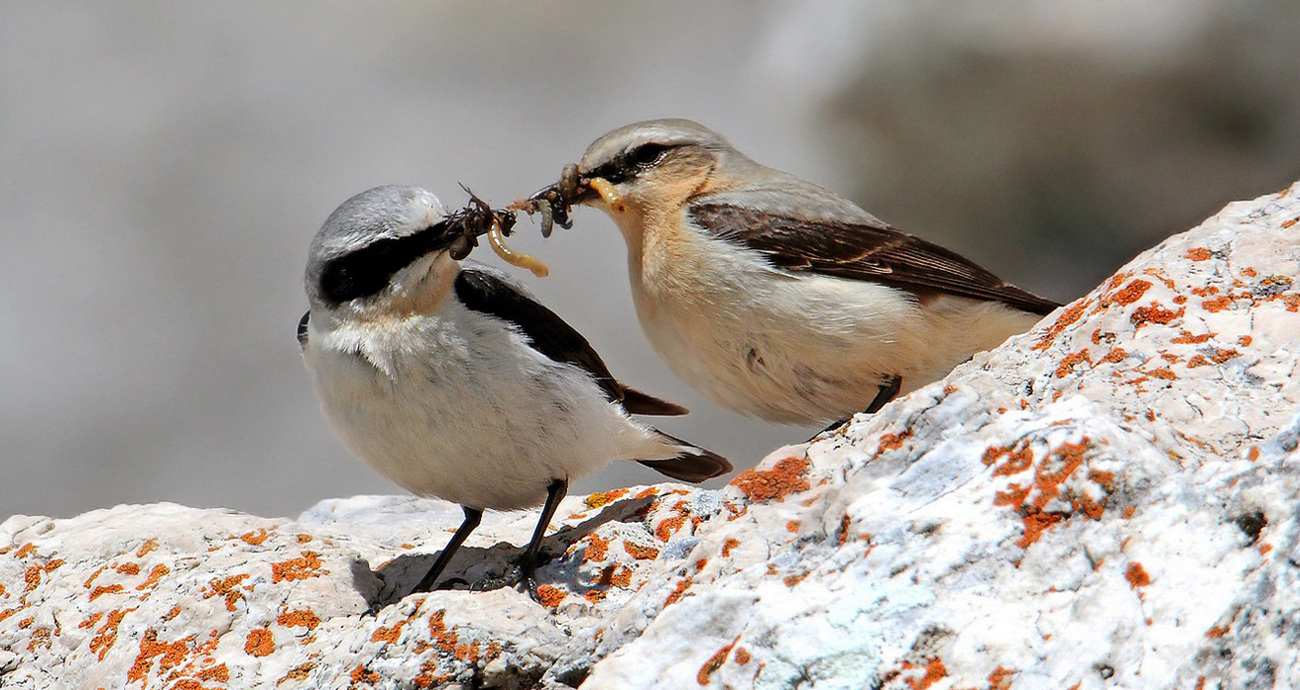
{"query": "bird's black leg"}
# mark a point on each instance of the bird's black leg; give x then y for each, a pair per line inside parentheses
(887, 392)
(472, 517)
(532, 555)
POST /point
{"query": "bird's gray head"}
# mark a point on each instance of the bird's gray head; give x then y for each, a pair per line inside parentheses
(370, 240)
(658, 162)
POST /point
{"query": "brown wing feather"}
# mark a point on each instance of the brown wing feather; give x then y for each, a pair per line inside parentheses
(860, 251)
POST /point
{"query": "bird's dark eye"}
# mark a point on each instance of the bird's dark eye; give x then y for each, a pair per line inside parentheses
(647, 155)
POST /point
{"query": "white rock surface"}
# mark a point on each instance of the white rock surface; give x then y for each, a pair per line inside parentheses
(1107, 501)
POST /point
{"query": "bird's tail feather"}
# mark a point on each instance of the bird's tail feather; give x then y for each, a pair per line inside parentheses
(693, 465)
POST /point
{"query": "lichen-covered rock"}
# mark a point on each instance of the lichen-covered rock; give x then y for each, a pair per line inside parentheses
(1110, 500)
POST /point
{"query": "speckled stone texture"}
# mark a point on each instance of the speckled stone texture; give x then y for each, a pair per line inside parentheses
(1107, 501)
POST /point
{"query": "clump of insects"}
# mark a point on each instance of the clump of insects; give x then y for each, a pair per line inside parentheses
(479, 218)
(554, 202)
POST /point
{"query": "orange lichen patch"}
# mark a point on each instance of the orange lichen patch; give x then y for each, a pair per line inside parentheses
(308, 566)
(92, 620)
(255, 538)
(1160, 276)
(890, 442)
(640, 552)
(1088, 506)
(1244, 341)
(842, 534)
(218, 673)
(601, 498)
(1017, 461)
(678, 590)
(304, 538)
(299, 672)
(792, 580)
(388, 634)
(595, 596)
(226, 587)
(742, 656)
(427, 677)
(732, 543)
(621, 577)
(106, 636)
(1197, 361)
(33, 578)
(1288, 224)
(299, 618)
(774, 484)
(94, 575)
(1155, 314)
(1222, 355)
(146, 547)
(128, 569)
(1163, 373)
(1014, 496)
(25, 550)
(793, 526)
(467, 652)
(714, 663)
(1199, 254)
(1137, 575)
(1105, 479)
(669, 526)
(172, 614)
(1216, 304)
(260, 642)
(597, 548)
(361, 674)
(1116, 354)
(1186, 338)
(992, 453)
(1072, 313)
(1216, 631)
(1253, 454)
(1000, 678)
(40, 639)
(648, 491)
(168, 655)
(1130, 294)
(934, 672)
(107, 589)
(1035, 524)
(26, 622)
(155, 575)
(550, 595)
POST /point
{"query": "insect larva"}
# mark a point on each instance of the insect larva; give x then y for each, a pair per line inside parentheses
(510, 256)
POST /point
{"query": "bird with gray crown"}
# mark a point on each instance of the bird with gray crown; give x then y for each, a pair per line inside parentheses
(451, 381)
(775, 297)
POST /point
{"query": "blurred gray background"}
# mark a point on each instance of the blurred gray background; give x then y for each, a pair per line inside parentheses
(164, 165)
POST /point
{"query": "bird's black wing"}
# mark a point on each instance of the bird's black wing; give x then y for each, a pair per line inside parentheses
(548, 334)
(860, 251)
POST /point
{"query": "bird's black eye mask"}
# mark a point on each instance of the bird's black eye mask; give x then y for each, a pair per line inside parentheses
(632, 162)
(366, 271)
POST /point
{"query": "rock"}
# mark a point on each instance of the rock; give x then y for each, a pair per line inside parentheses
(1109, 500)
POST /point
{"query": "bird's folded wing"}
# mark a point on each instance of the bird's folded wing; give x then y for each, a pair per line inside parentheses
(859, 249)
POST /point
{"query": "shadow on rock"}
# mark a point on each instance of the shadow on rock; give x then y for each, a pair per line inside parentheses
(481, 569)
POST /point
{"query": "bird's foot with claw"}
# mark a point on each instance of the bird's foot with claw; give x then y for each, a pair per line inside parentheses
(521, 576)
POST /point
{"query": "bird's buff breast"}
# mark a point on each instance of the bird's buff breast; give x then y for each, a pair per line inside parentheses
(748, 337)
